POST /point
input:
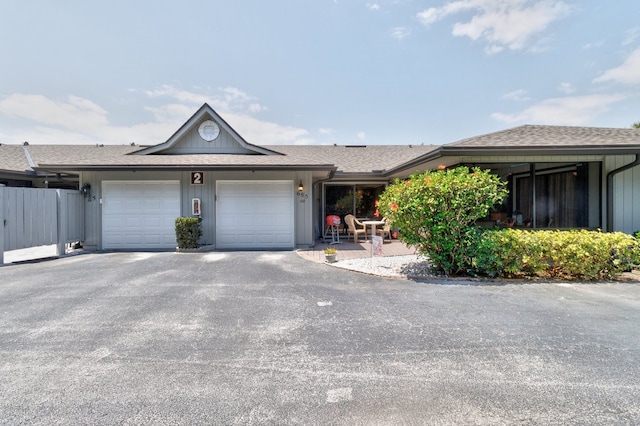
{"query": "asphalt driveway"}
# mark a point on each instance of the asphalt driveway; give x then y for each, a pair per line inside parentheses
(269, 338)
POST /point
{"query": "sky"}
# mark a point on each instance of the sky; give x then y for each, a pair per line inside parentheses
(314, 71)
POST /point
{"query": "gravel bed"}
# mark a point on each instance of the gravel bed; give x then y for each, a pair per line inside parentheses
(409, 266)
(416, 267)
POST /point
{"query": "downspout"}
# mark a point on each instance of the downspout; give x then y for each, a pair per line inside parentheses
(610, 177)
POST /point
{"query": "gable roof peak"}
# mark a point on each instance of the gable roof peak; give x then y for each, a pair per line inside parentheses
(205, 111)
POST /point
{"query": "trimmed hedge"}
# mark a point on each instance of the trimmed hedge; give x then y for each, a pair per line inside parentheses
(188, 232)
(578, 254)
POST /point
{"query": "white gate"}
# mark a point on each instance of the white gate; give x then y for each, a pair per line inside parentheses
(31, 217)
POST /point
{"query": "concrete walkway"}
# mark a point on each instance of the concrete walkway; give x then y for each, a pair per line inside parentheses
(354, 250)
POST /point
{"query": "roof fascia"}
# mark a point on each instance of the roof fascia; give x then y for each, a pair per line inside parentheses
(154, 167)
(446, 151)
(14, 174)
(205, 110)
(540, 150)
(360, 176)
(430, 156)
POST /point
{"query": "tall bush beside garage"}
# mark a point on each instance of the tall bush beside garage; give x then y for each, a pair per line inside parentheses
(435, 211)
(188, 232)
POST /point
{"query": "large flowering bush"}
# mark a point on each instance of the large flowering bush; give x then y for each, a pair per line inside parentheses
(435, 212)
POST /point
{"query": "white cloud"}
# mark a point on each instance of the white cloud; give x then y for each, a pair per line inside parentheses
(266, 133)
(400, 33)
(574, 111)
(76, 120)
(361, 136)
(566, 87)
(517, 95)
(632, 36)
(593, 45)
(233, 99)
(499, 23)
(627, 73)
(73, 112)
(373, 6)
(228, 99)
(171, 113)
(325, 131)
(178, 94)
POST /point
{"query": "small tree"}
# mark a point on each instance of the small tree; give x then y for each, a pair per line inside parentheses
(436, 211)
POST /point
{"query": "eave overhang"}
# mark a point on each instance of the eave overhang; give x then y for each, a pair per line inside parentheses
(507, 151)
(164, 167)
(540, 150)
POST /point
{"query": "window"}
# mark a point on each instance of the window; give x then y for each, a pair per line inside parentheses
(561, 197)
(356, 199)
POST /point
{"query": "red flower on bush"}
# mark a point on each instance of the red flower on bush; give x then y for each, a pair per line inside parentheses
(394, 207)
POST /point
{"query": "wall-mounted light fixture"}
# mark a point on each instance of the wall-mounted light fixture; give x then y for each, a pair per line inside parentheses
(86, 190)
(301, 193)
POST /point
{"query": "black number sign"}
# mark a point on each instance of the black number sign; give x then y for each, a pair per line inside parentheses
(197, 178)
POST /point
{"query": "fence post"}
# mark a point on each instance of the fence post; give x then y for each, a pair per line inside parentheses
(61, 247)
(2, 224)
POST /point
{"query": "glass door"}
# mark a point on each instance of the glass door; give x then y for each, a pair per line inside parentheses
(358, 199)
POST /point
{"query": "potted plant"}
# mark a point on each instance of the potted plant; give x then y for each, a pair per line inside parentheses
(330, 254)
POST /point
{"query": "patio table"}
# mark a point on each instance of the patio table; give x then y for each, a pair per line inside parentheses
(372, 224)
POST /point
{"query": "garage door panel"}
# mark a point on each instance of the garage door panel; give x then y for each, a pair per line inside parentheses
(255, 214)
(140, 214)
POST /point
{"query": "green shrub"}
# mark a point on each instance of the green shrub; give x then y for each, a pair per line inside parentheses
(578, 254)
(188, 232)
(508, 253)
(435, 212)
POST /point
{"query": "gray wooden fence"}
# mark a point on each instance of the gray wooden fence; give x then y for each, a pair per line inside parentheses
(31, 217)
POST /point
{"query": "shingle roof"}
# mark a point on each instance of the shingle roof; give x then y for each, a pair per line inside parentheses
(372, 159)
(55, 157)
(358, 159)
(13, 159)
(529, 136)
(347, 159)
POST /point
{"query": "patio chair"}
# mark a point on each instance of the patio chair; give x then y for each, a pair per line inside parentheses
(385, 230)
(354, 227)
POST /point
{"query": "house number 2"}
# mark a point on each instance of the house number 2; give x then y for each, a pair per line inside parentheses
(197, 178)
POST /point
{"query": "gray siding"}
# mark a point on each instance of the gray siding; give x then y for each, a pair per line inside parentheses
(206, 194)
(192, 143)
(626, 196)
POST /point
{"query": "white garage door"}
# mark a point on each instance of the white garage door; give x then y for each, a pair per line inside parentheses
(139, 214)
(254, 215)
